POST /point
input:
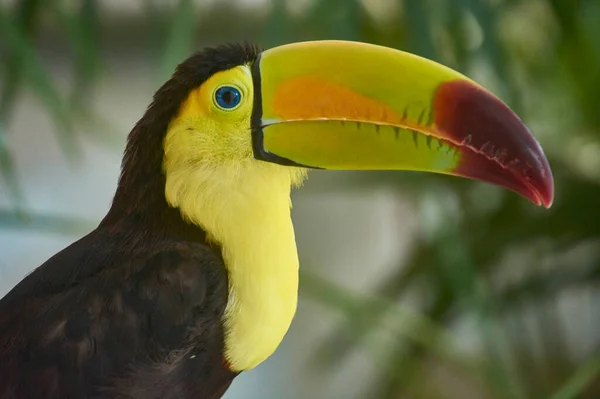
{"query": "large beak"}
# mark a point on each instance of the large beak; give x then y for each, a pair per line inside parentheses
(347, 105)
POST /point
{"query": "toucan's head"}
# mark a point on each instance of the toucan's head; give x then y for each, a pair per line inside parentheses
(343, 105)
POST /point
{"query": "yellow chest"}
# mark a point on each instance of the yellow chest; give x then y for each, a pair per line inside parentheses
(245, 208)
(262, 261)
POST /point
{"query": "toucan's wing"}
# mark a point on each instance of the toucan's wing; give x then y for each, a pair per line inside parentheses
(144, 326)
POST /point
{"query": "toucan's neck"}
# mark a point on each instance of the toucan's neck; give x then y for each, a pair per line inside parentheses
(140, 195)
(244, 207)
(139, 202)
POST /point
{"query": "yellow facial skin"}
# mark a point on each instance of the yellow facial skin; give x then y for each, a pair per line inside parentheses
(221, 134)
(244, 206)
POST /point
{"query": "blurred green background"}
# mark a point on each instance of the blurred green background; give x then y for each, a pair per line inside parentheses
(412, 285)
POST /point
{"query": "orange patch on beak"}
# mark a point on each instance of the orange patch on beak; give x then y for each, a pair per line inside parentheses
(311, 98)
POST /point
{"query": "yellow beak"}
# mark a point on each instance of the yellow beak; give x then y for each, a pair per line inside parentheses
(347, 105)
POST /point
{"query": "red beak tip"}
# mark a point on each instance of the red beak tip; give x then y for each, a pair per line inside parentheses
(548, 199)
(542, 194)
(464, 112)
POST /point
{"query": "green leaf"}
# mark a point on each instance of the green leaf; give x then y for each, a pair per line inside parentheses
(407, 323)
(180, 38)
(7, 169)
(457, 266)
(275, 31)
(82, 28)
(417, 22)
(585, 375)
(336, 19)
(334, 349)
(36, 76)
(494, 50)
(24, 15)
(42, 222)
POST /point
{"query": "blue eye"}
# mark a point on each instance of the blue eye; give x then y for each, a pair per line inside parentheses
(228, 97)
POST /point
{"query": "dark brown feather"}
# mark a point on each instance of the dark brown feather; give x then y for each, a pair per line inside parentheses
(133, 309)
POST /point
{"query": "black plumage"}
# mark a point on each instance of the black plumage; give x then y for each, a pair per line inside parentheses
(133, 309)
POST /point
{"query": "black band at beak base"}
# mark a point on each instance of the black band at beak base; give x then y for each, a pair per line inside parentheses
(256, 127)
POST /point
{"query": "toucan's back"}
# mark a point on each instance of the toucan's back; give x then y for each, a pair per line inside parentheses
(117, 316)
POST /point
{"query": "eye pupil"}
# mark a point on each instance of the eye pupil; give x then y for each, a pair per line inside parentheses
(228, 97)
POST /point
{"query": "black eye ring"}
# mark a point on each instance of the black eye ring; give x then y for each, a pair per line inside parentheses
(228, 97)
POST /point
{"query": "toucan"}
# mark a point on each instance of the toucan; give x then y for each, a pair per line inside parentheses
(192, 276)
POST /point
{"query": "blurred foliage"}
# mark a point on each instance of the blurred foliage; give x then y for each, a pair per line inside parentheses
(483, 255)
